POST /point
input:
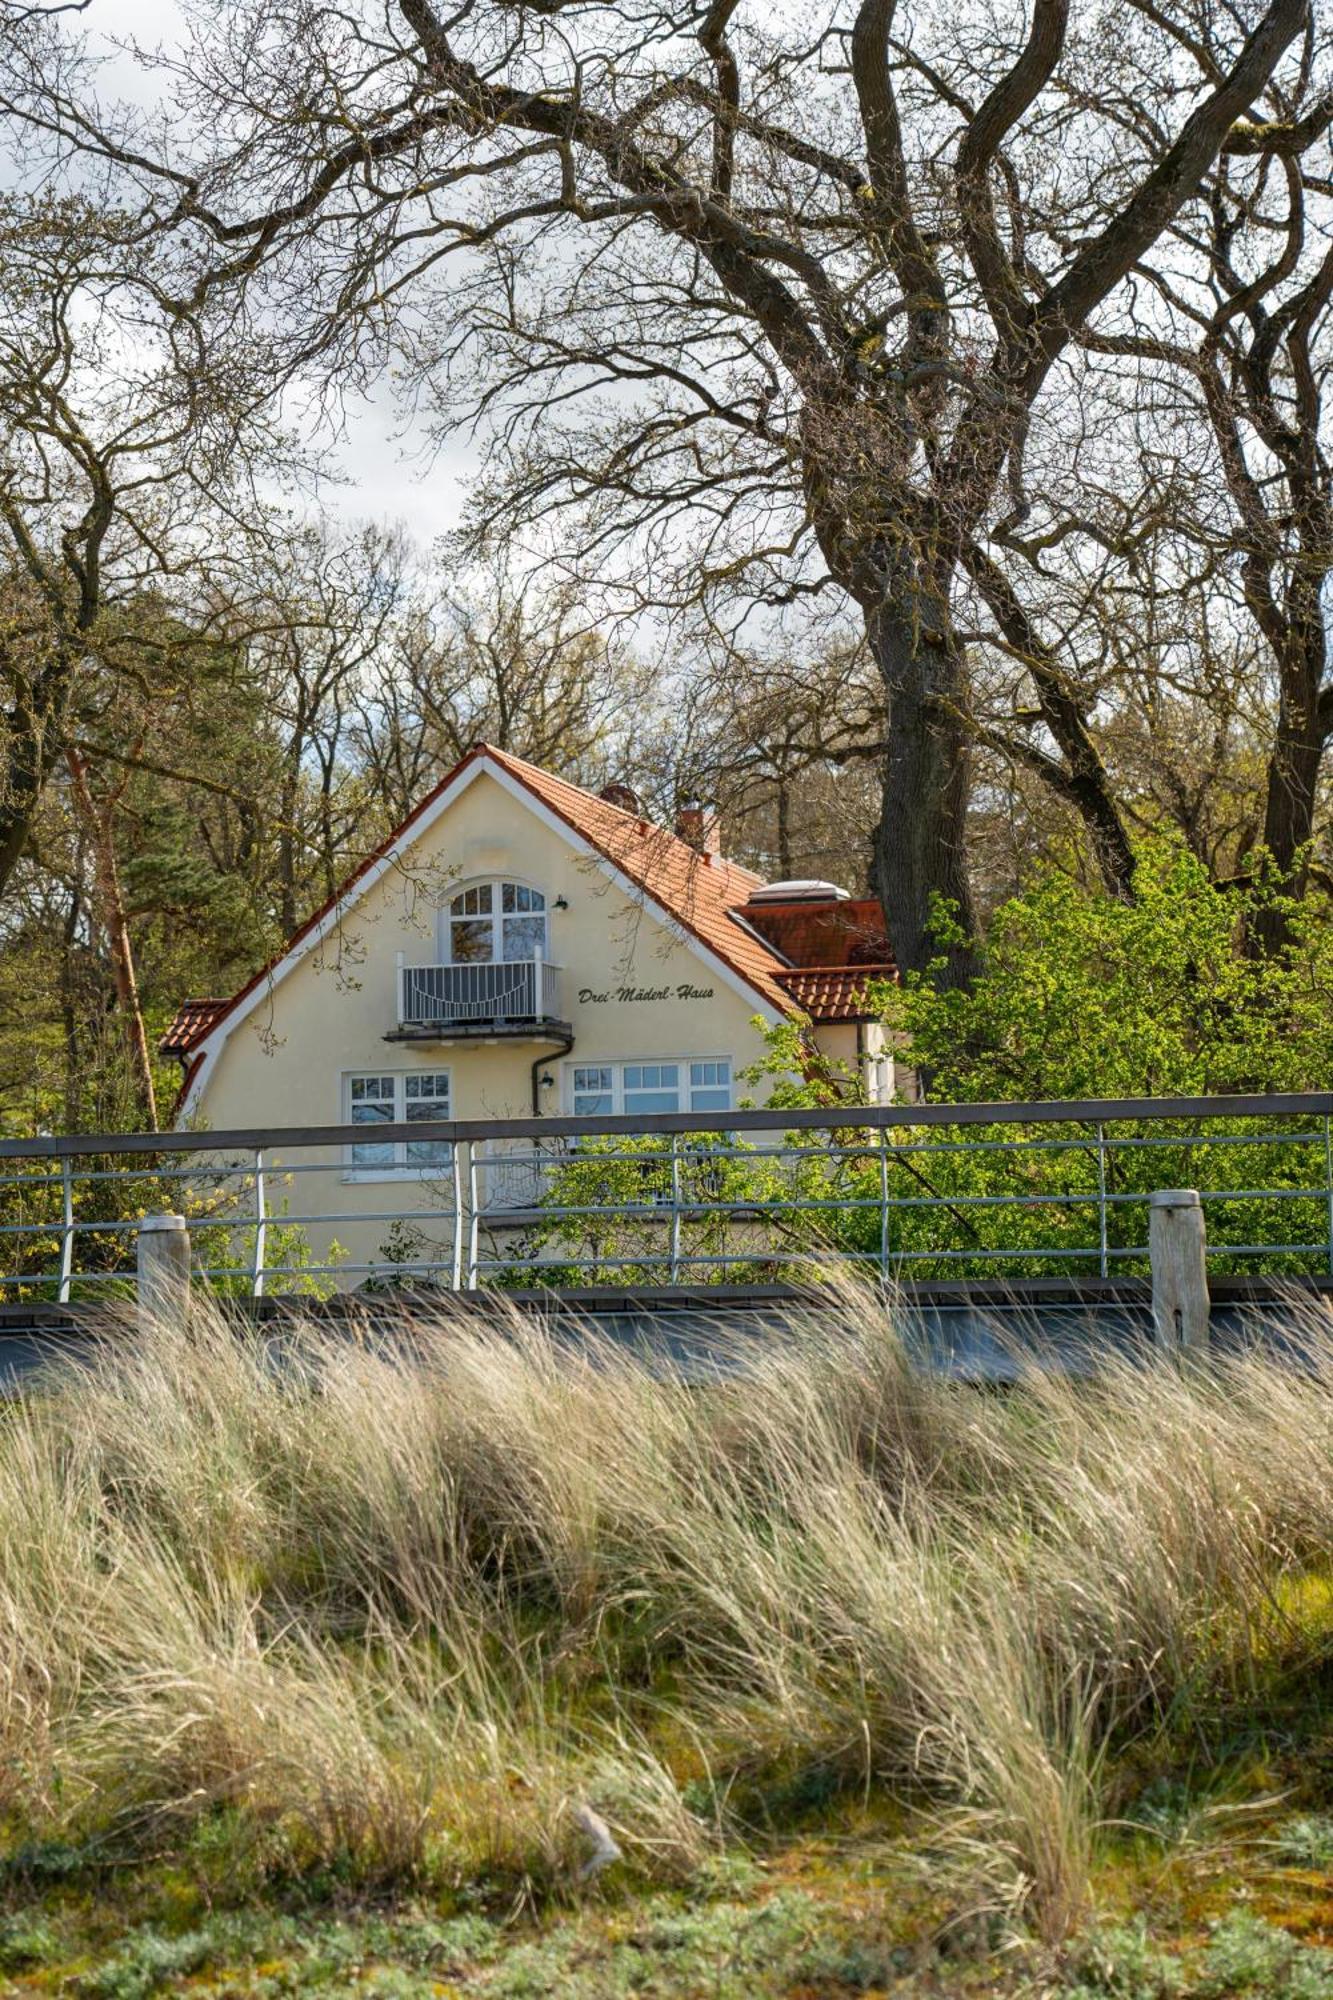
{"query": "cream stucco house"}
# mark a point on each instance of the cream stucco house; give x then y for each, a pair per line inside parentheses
(521, 946)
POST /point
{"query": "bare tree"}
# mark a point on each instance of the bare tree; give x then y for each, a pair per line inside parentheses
(798, 290)
(787, 745)
(501, 659)
(313, 619)
(97, 818)
(1251, 341)
(1196, 502)
(115, 441)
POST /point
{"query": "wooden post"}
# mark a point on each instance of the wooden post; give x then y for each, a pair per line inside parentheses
(1176, 1243)
(164, 1268)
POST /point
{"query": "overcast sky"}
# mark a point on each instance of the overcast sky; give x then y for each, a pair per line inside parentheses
(386, 476)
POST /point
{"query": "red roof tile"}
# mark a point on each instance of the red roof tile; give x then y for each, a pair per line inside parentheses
(837, 993)
(193, 1020)
(699, 892)
(849, 931)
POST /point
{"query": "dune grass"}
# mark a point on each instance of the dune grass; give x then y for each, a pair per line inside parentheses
(488, 1623)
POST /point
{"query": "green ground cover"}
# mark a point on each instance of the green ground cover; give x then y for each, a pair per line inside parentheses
(336, 1669)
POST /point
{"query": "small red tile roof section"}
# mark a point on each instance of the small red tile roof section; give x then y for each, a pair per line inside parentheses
(838, 993)
(837, 949)
(193, 1020)
(849, 931)
(699, 893)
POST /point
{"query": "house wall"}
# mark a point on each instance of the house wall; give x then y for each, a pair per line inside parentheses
(286, 1064)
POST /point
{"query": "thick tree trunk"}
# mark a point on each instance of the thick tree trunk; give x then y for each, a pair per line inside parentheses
(32, 730)
(920, 858)
(1294, 767)
(785, 866)
(287, 855)
(1293, 787)
(16, 817)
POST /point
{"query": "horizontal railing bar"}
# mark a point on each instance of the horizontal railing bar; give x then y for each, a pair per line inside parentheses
(1318, 1194)
(427, 1134)
(1093, 1110)
(276, 1220)
(816, 1254)
(1157, 1141)
(690, 1209)
(343, 1268)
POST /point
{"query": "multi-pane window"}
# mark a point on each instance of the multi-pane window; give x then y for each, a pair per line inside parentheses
(594, 1090)
(372, 1101)
(426, 1096)
(522, 922)
(710, 1086)
(651, 1087)
(398, 1098)
(603, 1090)
(496, 922)
(472, 925)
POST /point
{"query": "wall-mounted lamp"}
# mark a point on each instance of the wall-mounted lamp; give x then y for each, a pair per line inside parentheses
(546, 1082)
(560, 903)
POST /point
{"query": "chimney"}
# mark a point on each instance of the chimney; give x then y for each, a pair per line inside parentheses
(699, 827)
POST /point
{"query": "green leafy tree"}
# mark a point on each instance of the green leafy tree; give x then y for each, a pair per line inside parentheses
(1081, 996)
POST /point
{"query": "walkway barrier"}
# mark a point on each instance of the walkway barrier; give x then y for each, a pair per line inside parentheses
(910, 1193)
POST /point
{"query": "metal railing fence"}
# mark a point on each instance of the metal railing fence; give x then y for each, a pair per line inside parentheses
(505, 990)
(905, 1191)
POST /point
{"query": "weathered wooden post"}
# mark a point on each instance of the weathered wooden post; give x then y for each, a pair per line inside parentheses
(164, 1268)
(1176, 1246)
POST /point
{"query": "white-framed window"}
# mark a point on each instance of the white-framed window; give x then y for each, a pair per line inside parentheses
(593, 1090)
(685, 1083)
(397, 1097)
(494, 923)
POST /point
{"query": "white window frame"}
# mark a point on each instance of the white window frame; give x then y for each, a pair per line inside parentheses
(618, 1065)
(497, 884)
(400, 1168)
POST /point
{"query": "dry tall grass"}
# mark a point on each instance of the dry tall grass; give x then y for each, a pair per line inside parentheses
(410, 1610)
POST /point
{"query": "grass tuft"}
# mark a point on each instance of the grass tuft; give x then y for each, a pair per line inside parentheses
(417, 1615)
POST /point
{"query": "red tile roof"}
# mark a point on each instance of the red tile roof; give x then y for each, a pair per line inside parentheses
(837, 993)
(192, 1022)
(698, 892)
(849, 931)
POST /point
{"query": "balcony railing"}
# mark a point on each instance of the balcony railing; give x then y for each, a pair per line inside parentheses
(514, 991)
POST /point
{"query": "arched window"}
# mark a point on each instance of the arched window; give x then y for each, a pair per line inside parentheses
(495, 922)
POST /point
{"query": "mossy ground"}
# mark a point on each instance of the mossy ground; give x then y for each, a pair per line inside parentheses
(1215, 1883)
(321, 1680)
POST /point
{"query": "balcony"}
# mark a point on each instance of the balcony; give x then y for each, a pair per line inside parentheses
(514, 999)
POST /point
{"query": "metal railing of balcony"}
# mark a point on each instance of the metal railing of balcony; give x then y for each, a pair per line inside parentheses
(502, 991)
(903, 1191)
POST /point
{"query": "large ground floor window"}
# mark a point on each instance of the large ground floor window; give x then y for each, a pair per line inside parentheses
(629, 1089)
(398, 1097)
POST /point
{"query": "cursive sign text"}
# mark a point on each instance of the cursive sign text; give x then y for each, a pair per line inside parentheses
(589, 996)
